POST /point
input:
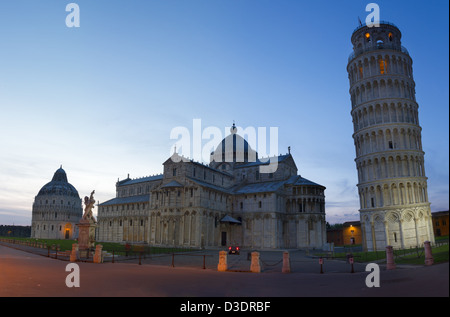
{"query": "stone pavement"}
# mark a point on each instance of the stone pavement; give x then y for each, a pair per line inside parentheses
(271, 261)
(24, 274)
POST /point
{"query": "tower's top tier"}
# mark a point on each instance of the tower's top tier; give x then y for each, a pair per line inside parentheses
(386, 36)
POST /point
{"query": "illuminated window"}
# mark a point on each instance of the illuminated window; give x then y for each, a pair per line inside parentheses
(382, 66)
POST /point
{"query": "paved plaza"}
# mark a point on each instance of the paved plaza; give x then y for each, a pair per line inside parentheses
(25, 274)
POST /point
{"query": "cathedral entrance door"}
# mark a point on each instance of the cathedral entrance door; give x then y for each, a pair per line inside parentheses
(224, 238)
(67, 229)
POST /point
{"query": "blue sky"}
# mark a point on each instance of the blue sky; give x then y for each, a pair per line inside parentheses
(103, 98)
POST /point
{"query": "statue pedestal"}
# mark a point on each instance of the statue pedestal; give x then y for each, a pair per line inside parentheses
(86, 234)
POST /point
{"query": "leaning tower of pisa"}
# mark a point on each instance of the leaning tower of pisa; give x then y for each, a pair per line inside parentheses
(392, 186)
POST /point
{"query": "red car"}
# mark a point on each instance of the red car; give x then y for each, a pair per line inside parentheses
(233, 250)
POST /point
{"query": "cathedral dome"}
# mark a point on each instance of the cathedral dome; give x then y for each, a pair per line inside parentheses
(59, 186)
(239, 144)
(234, 148)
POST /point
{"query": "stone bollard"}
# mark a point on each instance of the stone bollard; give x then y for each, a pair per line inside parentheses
(98, 254)
(428, 254)
(222, 266)
(390, 264)
(74, 253)
(255, 267)
(286, 263)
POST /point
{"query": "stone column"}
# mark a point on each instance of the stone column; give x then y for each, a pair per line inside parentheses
(390, 258)
(374, 244)
(286, 263)
(74, 253)
(98, 254)
(255, 266)
(429, 226)
(363, 234)
(222, 266)
(428, 255)
(386, 232)
(416, 231)
(400, 221)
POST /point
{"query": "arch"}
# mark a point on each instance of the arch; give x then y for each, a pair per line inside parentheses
(392, 217)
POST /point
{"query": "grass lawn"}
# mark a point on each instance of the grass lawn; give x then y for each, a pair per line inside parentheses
(440, 255)
(407, 256)
(118, 248)
(64, 244)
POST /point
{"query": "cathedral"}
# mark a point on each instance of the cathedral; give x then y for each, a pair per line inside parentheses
(227, 202)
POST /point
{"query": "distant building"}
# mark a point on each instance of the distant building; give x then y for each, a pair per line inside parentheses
(440, 223)
(228, 202)
(335, 236)
(15, 231)
(347, 234)
(56, 209)
(351, 232)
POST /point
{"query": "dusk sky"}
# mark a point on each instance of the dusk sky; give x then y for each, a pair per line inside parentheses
(102, 99)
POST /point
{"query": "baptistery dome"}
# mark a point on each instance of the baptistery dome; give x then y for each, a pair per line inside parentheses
(59, 186)
(56, 209)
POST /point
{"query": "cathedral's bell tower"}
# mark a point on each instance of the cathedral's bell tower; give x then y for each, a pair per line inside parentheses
(392, 185)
